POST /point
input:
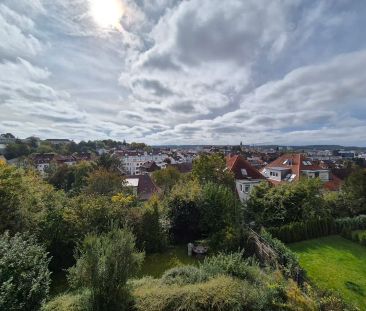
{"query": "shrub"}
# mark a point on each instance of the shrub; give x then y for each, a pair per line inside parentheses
(231, 264)
(77, 301)
(286, 258)
(24, 275)
(104, 263)
(184, 275)
(220, 293)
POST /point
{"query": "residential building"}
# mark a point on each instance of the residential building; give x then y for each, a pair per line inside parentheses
(142, 186)
(42, 162)
(149, 167)
(246, 176)
(132, 161)
(293, 167)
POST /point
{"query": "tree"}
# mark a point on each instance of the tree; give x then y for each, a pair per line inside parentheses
(104, 264)
(16, 149)
(183, 210)
(166, 178)
(221, 217)
(104, 182)
(212, 168)
(70, 178)
(108, 162)
(152, 232)
(286, 203)
(24, 275)
(354, 190)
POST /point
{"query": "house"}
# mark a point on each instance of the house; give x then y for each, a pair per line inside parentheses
(66, 160)
(42, 162)
(293, 167)
(149, 167)
(142, 186)
(246, 176)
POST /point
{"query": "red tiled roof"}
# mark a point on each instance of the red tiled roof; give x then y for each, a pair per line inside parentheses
(236, 163)
(295, 163)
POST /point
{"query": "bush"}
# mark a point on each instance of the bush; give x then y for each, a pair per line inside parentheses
(286, 258)
(231, 264)
(104, 263)
(354, 223)
(24, 275)
(220, 293)
(184, 275)
(78, 301)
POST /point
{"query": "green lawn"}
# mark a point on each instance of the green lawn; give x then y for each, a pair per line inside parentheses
(336, 263)
(155, 264)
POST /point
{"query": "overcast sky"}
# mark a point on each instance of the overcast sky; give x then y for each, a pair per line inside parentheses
(185, 72)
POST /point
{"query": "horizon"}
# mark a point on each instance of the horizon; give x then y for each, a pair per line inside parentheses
(181, 73)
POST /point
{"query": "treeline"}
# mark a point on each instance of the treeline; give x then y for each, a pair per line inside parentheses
(26, 147)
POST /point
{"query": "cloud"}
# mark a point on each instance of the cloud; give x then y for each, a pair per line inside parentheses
(205, 71)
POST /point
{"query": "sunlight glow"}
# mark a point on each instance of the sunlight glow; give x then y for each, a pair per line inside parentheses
(107, 13)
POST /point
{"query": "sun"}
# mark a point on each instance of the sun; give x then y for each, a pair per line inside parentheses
(107, 13)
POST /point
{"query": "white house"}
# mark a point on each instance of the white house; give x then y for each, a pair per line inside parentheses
(246, 176)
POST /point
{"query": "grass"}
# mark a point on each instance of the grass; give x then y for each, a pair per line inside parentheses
(155, 264)
(333, 262)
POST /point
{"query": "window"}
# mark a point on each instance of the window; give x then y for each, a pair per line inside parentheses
(316, 174)
(246, 188)
(244, 172)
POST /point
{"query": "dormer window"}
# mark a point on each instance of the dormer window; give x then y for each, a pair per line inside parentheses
(244, 172)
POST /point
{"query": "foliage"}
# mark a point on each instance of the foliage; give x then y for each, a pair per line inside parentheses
(104, 263)
(108, 162)
(153, 234)
(299, 231)
(232, 264)
(17, 149)
(212, 168)
(183, 209)
(104, 182)
(70, 178)
(221, 217)
(76, 301)
(24, 275)
(352, 223)
(24, 199)
(286, 258)
(184, 275)
(224, 282)
(354, 190)
(166, 178)
(290, 202)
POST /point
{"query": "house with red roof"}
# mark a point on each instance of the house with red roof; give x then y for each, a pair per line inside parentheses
(293, 167)
(246, 176)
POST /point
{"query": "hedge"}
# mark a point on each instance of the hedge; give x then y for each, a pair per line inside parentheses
(299, 231)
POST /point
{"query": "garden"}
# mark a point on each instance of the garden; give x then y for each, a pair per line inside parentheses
(334, 262)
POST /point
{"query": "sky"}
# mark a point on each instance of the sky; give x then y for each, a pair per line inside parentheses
(286, 72)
